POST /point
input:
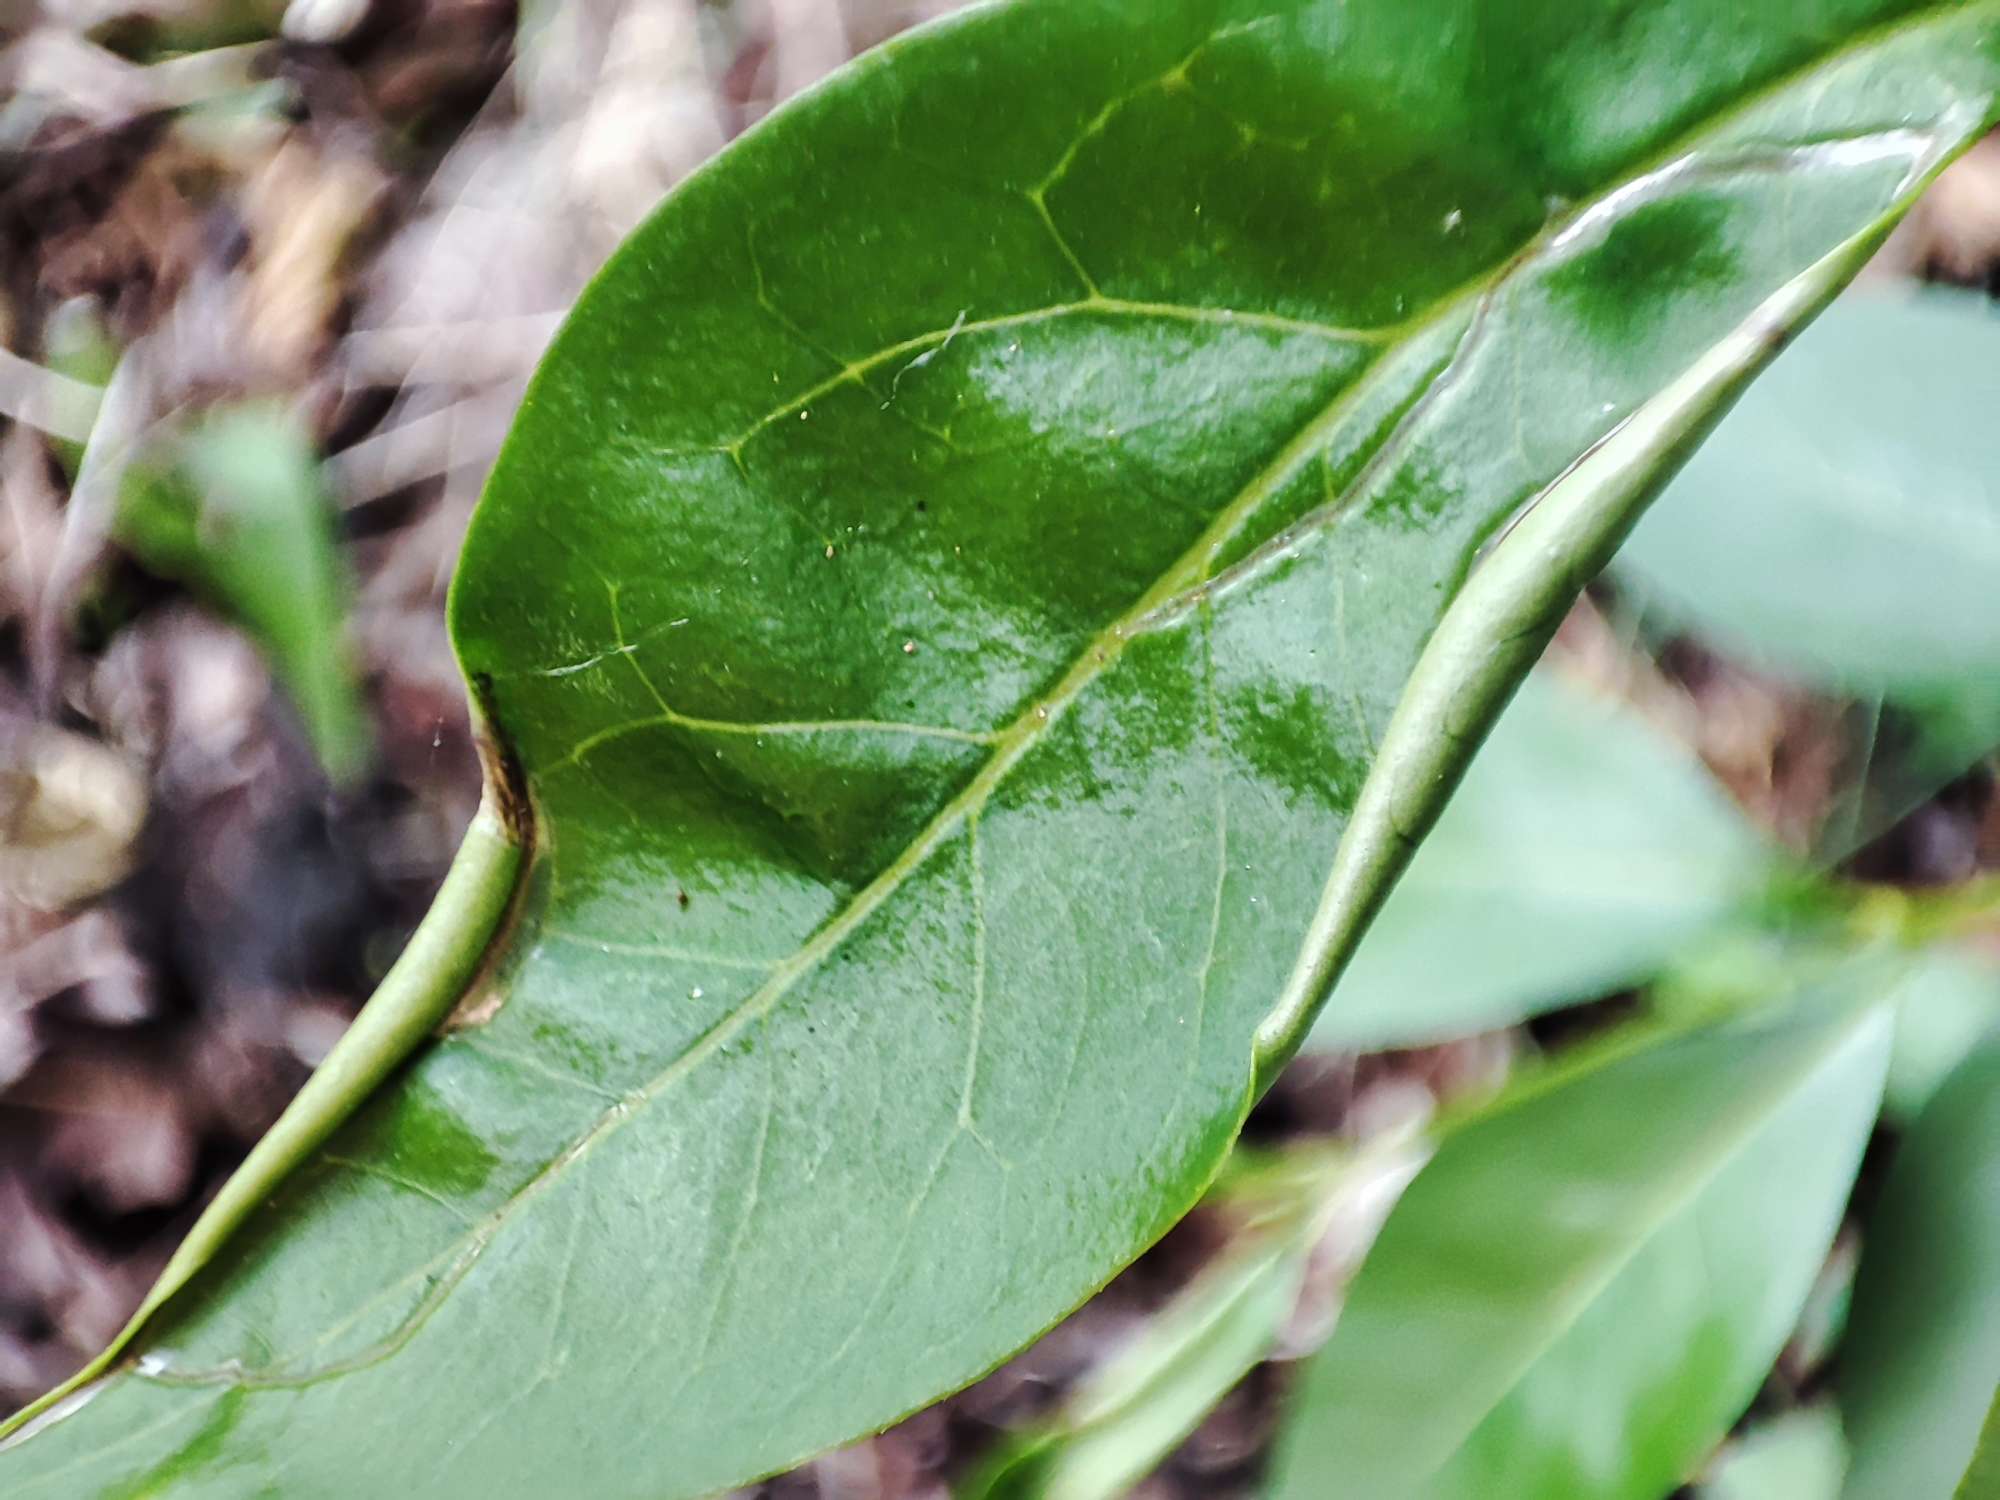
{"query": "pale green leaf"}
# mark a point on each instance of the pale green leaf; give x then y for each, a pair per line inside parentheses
(1583, 1290)
(233, 504)
(1134, 1411)
(1946, 1005)
(1921, 1363)
(1843, 528)
(1582, 852)
(1844, 523)
(1801, 1455)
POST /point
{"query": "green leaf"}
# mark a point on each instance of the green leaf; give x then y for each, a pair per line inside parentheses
(906, 930)
(1584, 1289)
(1946, 1005)
(1982, 1477)
(1843, 528)
(1945, 996)
(1844, 523)
(1801, 1455)
(235, 508)
(1921, 1363)
(1581, 852)
(1132, 1413)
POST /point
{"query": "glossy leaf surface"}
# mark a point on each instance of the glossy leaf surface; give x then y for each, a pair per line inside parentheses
(945, 595)
(1581, 852)
(1921, 1364)
(1581, 1292)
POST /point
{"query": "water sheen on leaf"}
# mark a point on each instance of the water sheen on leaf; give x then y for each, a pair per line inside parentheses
(944, 593)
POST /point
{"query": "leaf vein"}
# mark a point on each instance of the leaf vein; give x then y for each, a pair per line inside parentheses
(1013, 743)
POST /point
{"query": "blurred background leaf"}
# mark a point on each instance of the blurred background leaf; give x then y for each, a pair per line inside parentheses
(1798, 1456)
(1922, 1357)
(1947, 1004)
(1308, 1206)
(1583, 850)
(1842, 528)
(1583, 1290)
(234, 507)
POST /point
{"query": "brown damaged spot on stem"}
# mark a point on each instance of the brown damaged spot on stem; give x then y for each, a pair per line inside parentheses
(508, 799)
(504, 781)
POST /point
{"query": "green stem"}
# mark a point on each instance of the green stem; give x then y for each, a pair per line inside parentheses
(441, 959)
(1497, 624)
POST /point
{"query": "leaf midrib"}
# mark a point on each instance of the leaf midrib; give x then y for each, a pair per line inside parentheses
(1191, 568)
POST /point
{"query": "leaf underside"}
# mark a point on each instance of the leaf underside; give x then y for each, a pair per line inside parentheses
(944, 590)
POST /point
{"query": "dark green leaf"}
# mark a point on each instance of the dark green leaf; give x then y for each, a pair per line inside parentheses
(1921, 1364)
(1581, 852)
(1583, 1290)
(977, 604)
